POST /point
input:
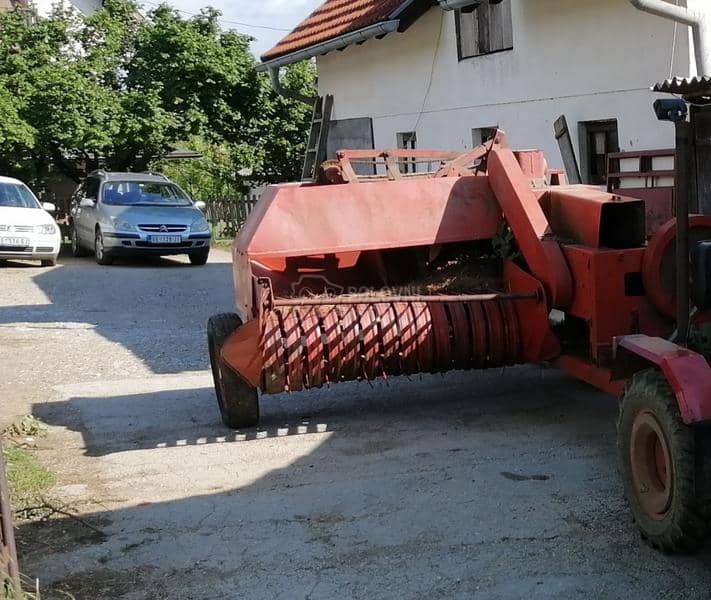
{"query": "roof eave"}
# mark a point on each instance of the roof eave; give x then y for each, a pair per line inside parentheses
(337, 43)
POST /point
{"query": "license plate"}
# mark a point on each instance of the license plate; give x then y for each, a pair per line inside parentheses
(164, 239)
(14, 241)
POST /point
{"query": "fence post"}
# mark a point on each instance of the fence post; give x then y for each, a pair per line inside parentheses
(8, 551)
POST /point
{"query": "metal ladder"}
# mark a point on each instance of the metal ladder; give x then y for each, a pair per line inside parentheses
(316, 147)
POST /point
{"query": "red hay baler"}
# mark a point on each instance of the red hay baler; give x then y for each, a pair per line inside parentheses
(484, 259)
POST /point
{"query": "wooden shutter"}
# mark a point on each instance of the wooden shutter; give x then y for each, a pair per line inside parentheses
(488, 28)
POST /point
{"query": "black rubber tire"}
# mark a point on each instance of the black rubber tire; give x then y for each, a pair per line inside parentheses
(238, 401)
(48, 262)
(77, 250)
(199, 258)
(100, 254)
(685, 524)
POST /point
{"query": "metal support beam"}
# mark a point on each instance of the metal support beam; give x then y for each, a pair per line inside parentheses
(683, 145)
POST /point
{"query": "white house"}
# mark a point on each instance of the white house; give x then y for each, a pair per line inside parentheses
(415, 74)
(86, 7)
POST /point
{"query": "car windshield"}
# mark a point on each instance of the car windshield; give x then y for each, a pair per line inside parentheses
(144, 193)
(17, 195)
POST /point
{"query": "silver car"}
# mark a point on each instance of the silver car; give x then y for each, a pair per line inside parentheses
(120, 214)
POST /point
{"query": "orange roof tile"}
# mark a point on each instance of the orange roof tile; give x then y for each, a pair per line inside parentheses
(332, 19)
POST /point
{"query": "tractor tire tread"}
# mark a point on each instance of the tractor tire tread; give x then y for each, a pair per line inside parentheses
(237, 400)
(688, 521)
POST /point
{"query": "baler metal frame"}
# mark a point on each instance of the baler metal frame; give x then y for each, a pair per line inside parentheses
(583, 253)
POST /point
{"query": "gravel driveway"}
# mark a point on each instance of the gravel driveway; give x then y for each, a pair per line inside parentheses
(483, 485)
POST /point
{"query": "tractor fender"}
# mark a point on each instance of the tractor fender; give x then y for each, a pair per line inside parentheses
(687, 372)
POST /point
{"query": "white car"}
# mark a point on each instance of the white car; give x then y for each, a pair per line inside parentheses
(27, 230)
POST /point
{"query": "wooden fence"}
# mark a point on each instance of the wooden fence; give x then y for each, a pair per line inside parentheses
(9, 572)
(228, 216)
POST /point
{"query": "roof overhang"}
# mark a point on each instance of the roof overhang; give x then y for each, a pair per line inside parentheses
(337, 43)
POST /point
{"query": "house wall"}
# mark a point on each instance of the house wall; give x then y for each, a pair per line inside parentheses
(587, 60)
(86, 7)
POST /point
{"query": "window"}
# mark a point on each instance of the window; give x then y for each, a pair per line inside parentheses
(482, 134)
(127, 193)
(16, 195)
(407, 141)
(597, 140)
(484, 28)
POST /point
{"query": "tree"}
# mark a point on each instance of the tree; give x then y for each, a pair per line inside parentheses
(119, 91)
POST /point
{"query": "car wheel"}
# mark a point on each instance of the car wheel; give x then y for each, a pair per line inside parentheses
(199, 258)
(100, 253)
(49, 262)
(77, 250)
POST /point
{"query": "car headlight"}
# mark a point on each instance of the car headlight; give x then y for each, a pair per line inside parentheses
(121, 225)
(200, 225)
(48, 229)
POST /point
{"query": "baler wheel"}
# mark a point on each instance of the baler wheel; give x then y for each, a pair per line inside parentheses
(665, 466)
(238, 401)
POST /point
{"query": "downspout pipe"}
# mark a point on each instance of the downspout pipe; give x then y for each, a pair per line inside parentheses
(699, 21)
(287, 93)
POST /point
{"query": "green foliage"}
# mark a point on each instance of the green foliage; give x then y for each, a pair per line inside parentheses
(118, 90)
(28, 478)
(213, 176)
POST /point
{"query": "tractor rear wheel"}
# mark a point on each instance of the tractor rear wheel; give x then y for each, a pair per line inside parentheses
(238, 401)
(665, 466)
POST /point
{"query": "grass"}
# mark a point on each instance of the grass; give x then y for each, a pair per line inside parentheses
(222, 244)
(28, 478)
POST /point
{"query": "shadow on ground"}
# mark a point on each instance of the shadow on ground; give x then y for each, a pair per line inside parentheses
(156, 308)
(455, 487)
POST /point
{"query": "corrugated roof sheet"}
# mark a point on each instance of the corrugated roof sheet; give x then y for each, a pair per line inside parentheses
(686, 86)
(332, 19)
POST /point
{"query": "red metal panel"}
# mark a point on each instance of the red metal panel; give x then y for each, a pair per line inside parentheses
(687, 372)
(537, 341)
(243, 354)
(532, 162)
(659, 205)
(302, 220)
(600, 296)
(586, 371)
(530, 226)
(575, 212)
(659, 265)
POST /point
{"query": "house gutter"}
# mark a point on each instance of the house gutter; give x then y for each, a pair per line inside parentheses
(699, 21)
(338, 43)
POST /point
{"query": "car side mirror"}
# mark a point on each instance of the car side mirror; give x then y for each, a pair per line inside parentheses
(200, 205)
(87, 202)
(49, 207)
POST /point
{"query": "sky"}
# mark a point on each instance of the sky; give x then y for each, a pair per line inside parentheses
(277, 14)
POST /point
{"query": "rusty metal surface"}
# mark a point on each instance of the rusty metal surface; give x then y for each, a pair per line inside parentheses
(605, 296)
(530, 226)
(308, 347)
(595, 218)
(8, 553)
(293, 220)
(659, 263)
